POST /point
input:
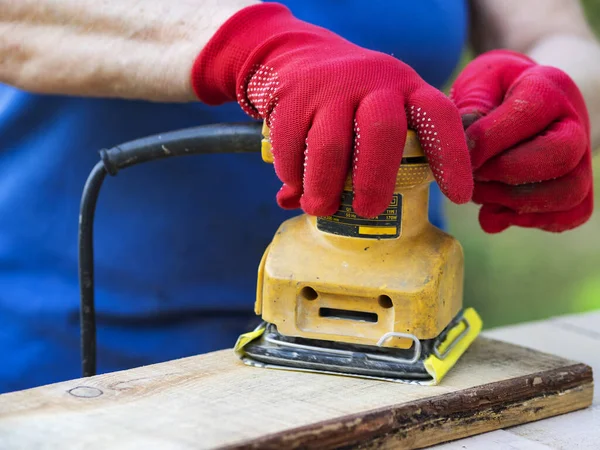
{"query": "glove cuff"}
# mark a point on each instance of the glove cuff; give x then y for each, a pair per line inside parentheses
(218, 67)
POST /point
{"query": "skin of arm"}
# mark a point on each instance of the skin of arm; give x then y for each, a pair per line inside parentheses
(552, 32)
(134, 49)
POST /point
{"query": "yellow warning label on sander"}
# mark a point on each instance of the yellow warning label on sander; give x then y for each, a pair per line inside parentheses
(345, 222)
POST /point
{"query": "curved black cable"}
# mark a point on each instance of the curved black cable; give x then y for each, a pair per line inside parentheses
(219, 138)
(87, 314)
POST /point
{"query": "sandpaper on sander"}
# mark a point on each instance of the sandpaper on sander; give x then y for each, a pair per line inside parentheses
(368, 297)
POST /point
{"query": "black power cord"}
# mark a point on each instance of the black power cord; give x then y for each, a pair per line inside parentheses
(218, 138)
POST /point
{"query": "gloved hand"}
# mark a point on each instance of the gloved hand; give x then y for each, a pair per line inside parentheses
(528, 132)
(332, 107)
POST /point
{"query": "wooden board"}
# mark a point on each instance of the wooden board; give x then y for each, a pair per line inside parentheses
(214, 401)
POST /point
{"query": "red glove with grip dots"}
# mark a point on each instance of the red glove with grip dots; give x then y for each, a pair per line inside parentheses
(529, 135)
(332, 107)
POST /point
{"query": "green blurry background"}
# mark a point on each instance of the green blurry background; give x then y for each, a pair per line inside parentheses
(520, 275)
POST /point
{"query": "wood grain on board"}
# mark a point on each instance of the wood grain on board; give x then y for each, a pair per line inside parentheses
(214, 401)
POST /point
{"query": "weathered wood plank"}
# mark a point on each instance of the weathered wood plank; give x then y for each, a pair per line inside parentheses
(450, 416)
(213, 400)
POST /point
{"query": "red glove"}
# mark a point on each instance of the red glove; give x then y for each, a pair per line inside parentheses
(529, 135)
(332, 107)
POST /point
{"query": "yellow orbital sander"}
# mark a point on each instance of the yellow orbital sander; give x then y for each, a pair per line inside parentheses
(377, 298)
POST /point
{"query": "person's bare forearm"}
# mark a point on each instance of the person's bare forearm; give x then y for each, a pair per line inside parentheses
(553, 33)
(136, 49)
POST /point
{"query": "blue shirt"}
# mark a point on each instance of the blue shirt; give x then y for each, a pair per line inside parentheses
(177, 241)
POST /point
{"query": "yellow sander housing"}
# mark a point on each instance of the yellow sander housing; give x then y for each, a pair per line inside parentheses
(378, 298)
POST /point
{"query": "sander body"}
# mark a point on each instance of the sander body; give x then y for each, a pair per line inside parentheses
(374, 297)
